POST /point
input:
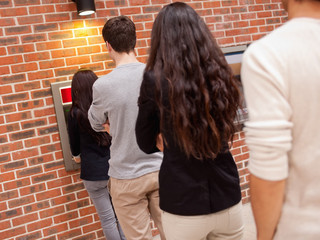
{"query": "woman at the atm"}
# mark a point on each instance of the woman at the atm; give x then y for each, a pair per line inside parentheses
(91, 149)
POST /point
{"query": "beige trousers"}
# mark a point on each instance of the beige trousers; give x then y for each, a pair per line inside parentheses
(223, 225)
(134, 200)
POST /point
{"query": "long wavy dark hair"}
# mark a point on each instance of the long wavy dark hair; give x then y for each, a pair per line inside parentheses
(203, 94)
(81, 91)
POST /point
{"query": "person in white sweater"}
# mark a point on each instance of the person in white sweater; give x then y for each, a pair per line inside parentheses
(281, 78)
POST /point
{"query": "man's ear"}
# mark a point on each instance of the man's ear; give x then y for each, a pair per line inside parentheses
(109, 47)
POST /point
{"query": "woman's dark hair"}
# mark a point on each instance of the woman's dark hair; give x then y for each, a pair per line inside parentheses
(203, 93)
(120, 33)
(81, 91)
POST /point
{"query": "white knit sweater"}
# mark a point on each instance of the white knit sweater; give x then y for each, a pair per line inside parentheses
(281, 77)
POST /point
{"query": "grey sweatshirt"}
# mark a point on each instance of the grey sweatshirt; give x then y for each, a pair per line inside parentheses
(115, 97)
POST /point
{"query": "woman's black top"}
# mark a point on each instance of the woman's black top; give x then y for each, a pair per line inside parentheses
(188, 186)
(94, 158)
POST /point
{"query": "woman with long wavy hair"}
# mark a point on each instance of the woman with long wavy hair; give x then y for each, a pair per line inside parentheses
(92, 150)
(190, 97)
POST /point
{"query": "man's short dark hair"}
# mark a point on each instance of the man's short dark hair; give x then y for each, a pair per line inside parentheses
(120, 33)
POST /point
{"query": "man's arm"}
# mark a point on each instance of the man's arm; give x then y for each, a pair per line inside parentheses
(96, 114)
(266, 201)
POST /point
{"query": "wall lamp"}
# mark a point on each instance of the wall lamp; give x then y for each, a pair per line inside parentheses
(85, 7)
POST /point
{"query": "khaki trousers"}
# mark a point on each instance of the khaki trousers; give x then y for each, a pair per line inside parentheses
(134, 200)
(224, 225)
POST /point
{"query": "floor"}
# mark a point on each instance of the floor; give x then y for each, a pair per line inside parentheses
(250, 227)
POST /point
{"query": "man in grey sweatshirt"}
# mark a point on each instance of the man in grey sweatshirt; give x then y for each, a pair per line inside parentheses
(133, 174)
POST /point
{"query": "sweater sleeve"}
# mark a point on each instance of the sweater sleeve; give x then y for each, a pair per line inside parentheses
(268, 130)
(74, 134)
(148, 123)
(96, 114)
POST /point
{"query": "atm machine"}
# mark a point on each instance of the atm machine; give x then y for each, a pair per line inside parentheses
(61, 92)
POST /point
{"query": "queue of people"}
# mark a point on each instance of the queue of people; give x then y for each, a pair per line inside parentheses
(157, 136)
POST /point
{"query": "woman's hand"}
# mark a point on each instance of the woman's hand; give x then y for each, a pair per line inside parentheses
(76, 159)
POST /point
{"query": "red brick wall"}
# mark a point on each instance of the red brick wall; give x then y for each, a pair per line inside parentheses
(44, 41)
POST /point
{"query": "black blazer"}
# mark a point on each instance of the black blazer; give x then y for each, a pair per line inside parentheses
(188, 186)
(94, 158)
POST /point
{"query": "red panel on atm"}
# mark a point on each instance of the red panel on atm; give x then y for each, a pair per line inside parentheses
(66, 95)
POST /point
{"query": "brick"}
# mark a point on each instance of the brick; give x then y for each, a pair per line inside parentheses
(31, 236)
(63, 199)
(65, 217)
(255, 8)
(52, 64)
(24, 67)
(100, 57)
(11, 60)
(21, 49)
(38, 56)
(21, 201)
(85, 32)
(8, 195)
(272, 21)
(63, 53)
(30, 105)
(39, 225)
(225, 41)
(5, 158)
(60, 35)
(26, 2)
(6, 3)
(9, 41)
(95, 40)
(91, 227)
(240, 24)
(12, 146)
(13, 12)
(4, 70)
(66, 71)
(13, 232)
(15, 97)
(9, 127)
(89, 50)
(40, 160)
(25, 154)
(12, 79)
(36, 207)
(74, 42)
(80, 222)
(9, 107)
(54, 229)
(44, 112)
(10, 213)
(17, 30)
(143, 18)
(16, 184)
(48, 194)
(3, 139)
(37, 141)
(3, 51)
(96, 67)
(35, 188)
(50, 148)
(73, 25)
(87, 210)
(48, 45)
(70, 234)
(22, 87)
(245, 16)
(144, 34)
(33, 38)
(40, 75)
(29, 171)
(57, 17)
(47, 130)
(130, 10)
(25, 218)
(41, 9)
(78, 60)
(69, 7)
(78, 204)
(12, 166)
(53, 166)
(44, 177)
(4, 225)
(73, 188)
(52, 212)
(30, 20)
(107, 12)
(7, 22)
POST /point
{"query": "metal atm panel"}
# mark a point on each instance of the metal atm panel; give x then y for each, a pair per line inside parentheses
(61, 92)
